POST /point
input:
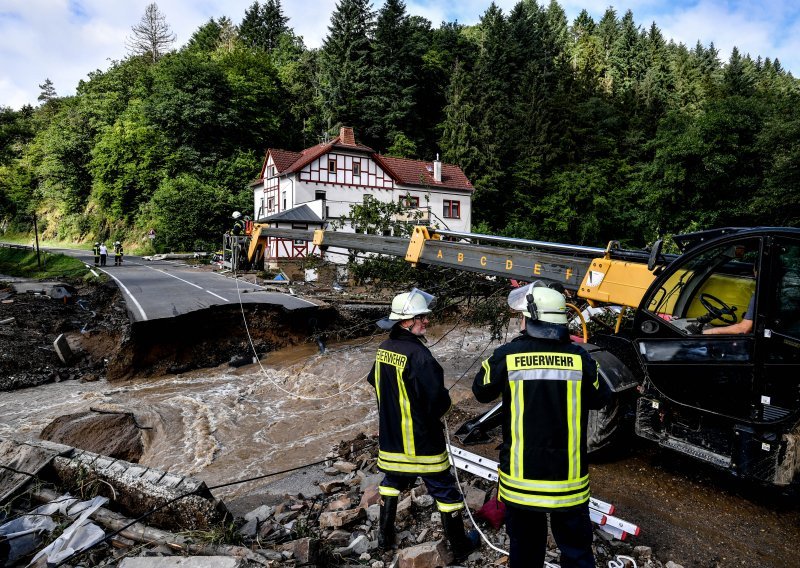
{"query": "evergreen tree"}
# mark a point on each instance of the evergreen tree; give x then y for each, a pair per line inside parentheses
(48, 91)
(263, 25)
(587, 53)
(252, 29)
(395, 59)
(446, 47)
(345, 65)
(459, 138)
(627, 60)
(492, 113)
(206, 38)
(275, 23)
(657, 82)
(738, 76)
(152, 36)
(607, 32)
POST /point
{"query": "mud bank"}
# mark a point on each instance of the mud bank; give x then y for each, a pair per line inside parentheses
(93, 321)
(105, 345)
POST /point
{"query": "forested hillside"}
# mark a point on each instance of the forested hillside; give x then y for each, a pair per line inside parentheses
(579, 131)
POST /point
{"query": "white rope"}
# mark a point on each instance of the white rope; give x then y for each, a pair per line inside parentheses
(266, 374)
(619, 561)
(469, 513)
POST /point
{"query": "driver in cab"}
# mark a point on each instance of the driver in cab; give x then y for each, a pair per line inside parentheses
(745, 325)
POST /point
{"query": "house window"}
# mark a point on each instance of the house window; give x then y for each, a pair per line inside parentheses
(452, 209)
(356, 169)
(301, 227)
(409, 201)
(284, 201)
(332, 165)
(270, 204)
(272, 171)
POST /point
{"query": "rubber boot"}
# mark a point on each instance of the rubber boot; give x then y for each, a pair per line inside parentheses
(461, 543)
(386, 535)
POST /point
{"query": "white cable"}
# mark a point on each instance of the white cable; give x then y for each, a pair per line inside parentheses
(264, 371)
(619, 562)
(469, 513)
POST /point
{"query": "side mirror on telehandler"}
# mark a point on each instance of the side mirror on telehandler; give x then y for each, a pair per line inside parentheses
(655, 253)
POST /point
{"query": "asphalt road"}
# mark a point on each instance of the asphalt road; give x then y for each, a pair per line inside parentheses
(166, 288)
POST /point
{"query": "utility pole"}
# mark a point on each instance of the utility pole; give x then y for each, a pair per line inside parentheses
(36, 234)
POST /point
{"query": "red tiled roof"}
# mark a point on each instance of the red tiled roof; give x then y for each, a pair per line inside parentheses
(283, 158)
(403, 171)
(417, 172)
(310, 154)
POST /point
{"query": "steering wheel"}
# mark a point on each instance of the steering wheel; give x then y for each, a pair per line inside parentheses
(719, 309)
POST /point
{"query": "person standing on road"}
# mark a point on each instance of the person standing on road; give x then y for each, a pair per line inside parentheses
(96, 253)
(103, 254)
(118, 253)
(547, 384)
(409, 385)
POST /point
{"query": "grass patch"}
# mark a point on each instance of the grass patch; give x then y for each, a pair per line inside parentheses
(24, 263)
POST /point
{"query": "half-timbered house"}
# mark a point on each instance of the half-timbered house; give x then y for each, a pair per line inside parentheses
(314, 187)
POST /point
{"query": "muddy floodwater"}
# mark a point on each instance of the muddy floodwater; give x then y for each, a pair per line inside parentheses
(225, 424)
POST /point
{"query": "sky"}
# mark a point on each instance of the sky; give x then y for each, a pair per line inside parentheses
(65, 40)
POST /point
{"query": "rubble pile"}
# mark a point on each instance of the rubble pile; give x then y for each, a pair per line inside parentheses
(339, 526)
(91, 317)
(336, 527)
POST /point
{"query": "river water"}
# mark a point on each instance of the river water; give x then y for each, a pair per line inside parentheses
(224, 424)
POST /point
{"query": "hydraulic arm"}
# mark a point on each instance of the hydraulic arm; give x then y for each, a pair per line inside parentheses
(610, 275)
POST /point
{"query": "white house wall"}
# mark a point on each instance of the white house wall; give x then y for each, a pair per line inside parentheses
(343, 189)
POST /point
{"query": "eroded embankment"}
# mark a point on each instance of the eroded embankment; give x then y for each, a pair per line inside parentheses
(231, 334)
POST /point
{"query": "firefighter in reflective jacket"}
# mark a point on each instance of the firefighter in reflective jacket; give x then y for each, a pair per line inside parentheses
(238, 224)
(118, 252)
(409, 386)
(547, 384)
(96, 253)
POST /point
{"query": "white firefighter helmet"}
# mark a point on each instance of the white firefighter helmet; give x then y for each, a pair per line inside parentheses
(116, 242)
(537, 302)
(406, 306)
(236, 214)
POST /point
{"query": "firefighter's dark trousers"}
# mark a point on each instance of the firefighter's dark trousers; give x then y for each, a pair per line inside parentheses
(527, 530)
(441, 486)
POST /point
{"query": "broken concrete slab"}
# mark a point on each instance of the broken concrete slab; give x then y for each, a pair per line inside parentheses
(34, 286)
(63, 350)
(191, 504)
(63, 292)
(22, 461)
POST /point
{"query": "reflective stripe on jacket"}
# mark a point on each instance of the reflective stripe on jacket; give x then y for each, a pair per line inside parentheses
(409, 387)
(547, 388)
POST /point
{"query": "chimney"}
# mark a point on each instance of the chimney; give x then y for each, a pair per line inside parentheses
(346, 136)
(437, 170)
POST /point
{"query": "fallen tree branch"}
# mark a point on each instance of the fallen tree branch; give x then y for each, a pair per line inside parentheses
(140, 532)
